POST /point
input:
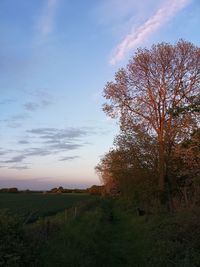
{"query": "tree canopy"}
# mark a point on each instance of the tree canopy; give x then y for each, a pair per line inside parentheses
(157, 95)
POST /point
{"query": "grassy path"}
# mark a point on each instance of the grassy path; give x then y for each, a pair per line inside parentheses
(102, 237)
(107, 235)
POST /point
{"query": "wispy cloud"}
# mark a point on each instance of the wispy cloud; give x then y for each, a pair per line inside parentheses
(53, 134)
(15, 121)
(140, 34)
(45, 22)
(2, 152)
(50, 141)
(31, 106)
(58, 140)
(15, 159)
(20, 168)
(23, 142)
(40, 99)
(69, 158)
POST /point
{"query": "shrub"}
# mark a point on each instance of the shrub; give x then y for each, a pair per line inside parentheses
(12, 245)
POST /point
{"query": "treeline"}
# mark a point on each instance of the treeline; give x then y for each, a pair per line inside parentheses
(66, 190)
(156, 156)
(93, 190)
(9, 190)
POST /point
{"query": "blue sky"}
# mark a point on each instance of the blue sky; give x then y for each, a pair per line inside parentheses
(55, 59)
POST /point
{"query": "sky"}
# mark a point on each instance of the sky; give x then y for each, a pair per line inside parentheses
(56, 56)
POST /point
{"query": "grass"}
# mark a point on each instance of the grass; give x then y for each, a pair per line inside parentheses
(20, 243)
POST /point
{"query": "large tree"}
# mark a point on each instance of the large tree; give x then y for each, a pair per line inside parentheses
(158, 91)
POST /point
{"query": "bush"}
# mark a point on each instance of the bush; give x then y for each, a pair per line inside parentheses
(12, 244)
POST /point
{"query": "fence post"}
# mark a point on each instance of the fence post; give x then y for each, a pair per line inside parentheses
(65, 215)
(75, 212)
(47, 228)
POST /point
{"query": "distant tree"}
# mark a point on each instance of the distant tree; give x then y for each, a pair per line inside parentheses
(13, 190)
(4, 190)
(54, 190)
(109, 169)
(96, 190)
(154, 92)
(60, 189)
(27, 191)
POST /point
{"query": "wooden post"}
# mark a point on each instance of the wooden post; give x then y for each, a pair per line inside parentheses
(75, 212)
(65, 215)
(47, 228)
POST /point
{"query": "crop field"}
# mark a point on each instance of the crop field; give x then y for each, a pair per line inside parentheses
(31, 206)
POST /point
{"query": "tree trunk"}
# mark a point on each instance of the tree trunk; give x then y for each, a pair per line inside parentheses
(185, 196)
(161, 167)
(162, 174)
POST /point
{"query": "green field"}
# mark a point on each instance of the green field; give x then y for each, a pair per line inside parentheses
(31, 206)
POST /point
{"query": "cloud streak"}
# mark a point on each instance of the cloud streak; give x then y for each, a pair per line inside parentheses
(15, 121)
(15, 159)
(54, 135)
(23, 142)
(69, 158)
(45, 23)
(20, 168)
(33, 106)
(138, 36)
